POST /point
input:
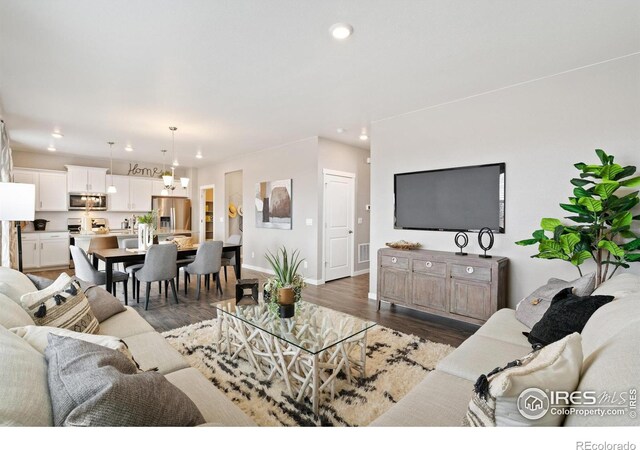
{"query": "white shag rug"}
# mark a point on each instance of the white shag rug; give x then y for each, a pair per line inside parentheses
(396, 362)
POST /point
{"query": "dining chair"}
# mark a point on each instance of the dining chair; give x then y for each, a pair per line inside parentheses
(207, 262)
(87, 272)
(229, 258)
(101, 243)
(159, 265)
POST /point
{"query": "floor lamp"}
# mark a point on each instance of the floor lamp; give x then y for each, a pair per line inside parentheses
(17, 203)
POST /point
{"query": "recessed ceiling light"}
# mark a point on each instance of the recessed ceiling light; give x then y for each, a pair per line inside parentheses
(51, 148)
(364, 137)
(341, 130)
(199, 155)
(341, 31)
(57, 135)
(128, 148)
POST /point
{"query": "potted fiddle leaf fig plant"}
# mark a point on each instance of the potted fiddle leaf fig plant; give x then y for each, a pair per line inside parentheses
(603, 220)
(285, 287)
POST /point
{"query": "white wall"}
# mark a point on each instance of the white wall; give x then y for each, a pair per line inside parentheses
(298, 161)
(538, 129)
(233, 193)
(346, 158)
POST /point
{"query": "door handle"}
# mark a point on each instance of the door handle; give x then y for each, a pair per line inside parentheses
(350, 231)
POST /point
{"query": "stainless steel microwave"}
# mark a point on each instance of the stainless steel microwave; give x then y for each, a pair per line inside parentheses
(94, 202)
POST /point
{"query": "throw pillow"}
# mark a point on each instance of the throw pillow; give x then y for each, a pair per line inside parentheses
(516, 395)
(24, 392)
(61, 305)
(103, 304)
(568, 313)
(37, 337)
(92, 385)
(14, 284)
(12, 314)
(39, 282)
(531, 309)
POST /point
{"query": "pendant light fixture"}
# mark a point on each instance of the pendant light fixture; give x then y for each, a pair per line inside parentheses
(166, 179)
(111, 189)
(184, 181)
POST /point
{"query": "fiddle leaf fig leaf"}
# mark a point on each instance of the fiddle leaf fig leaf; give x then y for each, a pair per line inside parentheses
(580, 257)
(633, 245)
(568, 242)
(604, 158)
(591, 204)
(611, 247)
(548, 224)
(631, 182)
(632, 257)
(580, 182)
(611, 171)
(605, 189)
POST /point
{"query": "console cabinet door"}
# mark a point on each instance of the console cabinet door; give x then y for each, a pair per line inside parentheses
(470, 299)
(54, 252)
(394, 284)
(30, 251)
(429, 291)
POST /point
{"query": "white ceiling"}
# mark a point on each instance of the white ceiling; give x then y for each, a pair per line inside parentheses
(243, 75)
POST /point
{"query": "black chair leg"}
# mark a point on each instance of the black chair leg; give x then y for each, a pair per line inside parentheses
(137, 291)
(133, 285)
(198, 279)
(207, 281)
(113, 289)
(166, 291)
(187, 279)
(146, 302)
(218, 286)
(126, 293)
(225, 274)
(173, 290)
(160, 286)
(178, 279)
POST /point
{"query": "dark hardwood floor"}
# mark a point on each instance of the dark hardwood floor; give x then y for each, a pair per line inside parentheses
(348, 295)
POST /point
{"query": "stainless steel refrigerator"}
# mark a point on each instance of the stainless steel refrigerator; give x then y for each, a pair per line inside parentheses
(174, 213)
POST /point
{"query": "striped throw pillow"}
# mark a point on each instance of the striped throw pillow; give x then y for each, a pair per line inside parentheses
(61, 305)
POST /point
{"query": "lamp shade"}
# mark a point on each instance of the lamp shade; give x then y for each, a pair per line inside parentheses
(168, 180)
(17, 201)
(184, 181)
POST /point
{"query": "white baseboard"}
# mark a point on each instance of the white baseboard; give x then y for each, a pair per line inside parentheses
(360, 272)
(312, 281)
(373, 296)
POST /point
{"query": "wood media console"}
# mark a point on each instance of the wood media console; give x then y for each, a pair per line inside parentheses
(465, 288)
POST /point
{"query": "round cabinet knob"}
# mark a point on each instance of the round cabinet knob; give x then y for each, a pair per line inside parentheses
(428, 264)
(394, 259)
(469, 269)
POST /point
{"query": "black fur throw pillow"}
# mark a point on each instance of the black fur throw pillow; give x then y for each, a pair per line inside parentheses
(568, 313)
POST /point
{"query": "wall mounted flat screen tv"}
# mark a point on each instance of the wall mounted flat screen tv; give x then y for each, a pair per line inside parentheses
(456, 199)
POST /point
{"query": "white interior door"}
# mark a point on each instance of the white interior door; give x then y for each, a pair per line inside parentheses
(338, 225)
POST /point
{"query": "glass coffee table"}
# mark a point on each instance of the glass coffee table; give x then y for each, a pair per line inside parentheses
(307, 351)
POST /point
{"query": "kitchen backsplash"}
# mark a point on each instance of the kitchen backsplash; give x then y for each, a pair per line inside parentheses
(58, 220)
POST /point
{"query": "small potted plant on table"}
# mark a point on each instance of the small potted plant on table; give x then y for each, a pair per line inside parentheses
(285, 288)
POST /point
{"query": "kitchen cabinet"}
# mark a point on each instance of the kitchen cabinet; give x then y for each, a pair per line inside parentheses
(43, 250)
(134, 194)
(86, 179)
(51, 188)
(178, 191)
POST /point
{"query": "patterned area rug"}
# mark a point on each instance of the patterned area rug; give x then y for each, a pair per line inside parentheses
(396, 362)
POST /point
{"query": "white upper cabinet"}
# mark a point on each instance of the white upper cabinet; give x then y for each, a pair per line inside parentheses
(51, 188)
(134, 194)
(140, 191)
(120, 200)
(52, 192)
(86, 179)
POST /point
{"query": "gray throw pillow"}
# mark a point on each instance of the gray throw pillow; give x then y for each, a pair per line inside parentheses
(40, 282)
(103, 304)
(92, 385)
(530, 310)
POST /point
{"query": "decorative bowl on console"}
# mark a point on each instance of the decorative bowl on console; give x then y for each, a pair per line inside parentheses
(404, 245)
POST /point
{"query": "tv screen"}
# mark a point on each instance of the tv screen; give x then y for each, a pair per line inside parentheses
(457, 199)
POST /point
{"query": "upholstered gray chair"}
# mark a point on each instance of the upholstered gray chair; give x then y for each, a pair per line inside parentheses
(86, 272)
(229, 258)
(207, 263)
(159, 265)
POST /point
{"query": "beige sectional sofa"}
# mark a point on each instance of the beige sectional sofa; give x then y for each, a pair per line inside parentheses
(610, 343)
(21, 405)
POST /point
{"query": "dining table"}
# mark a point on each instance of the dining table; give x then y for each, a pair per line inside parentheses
(112, 256)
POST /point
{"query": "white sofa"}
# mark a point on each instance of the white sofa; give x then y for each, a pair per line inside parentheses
(24, 397)
(611, 363)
